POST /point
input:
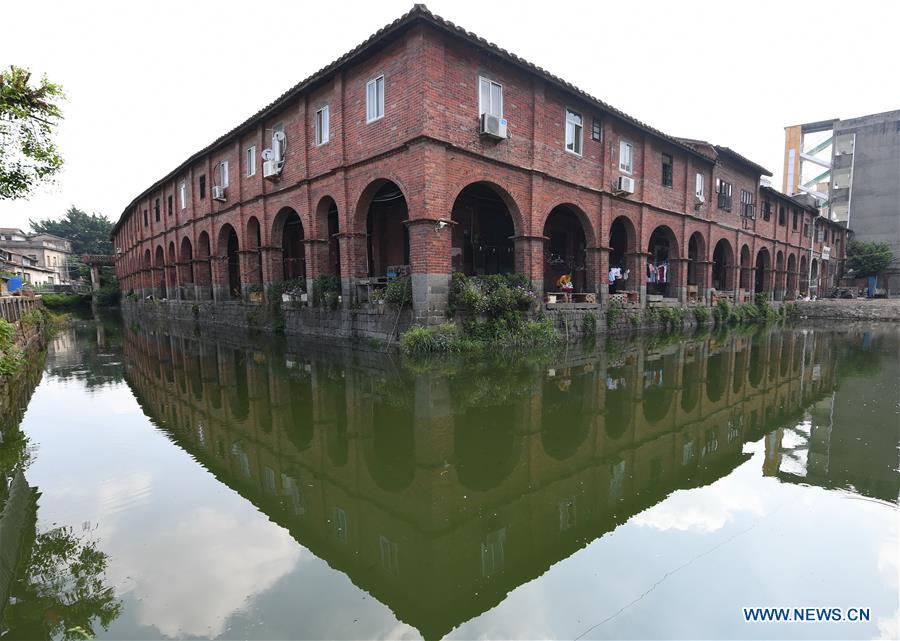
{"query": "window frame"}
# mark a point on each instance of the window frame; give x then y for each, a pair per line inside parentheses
(201, 184)
(170, 205)
(671, 167)
(724, 195)
(182, 194)
(251, 161)
(629, 169)
(576, 127)
(156, 211)
(491, 83)
(379, 100)
(700, 186)
(322, 126)
(596, 129)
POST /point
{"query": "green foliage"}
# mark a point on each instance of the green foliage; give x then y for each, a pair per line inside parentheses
(491, 296)
(614, 313)
(28, 117)
(10, 354)
(429, 340)
(66, 302)
(589, 324)
(326, 289)
(701, 315)
(722, 312)
(88, 233)
(868, 259)
(398, 293)
(670, 318)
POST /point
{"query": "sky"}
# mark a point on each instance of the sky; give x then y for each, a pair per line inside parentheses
(148, 84)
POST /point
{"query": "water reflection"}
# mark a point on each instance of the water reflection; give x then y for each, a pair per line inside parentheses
(439, 490)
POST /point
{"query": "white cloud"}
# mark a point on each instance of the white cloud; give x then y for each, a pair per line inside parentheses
(703, 510)
(191, 577)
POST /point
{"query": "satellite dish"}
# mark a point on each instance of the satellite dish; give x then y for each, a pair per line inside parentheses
(267, 154)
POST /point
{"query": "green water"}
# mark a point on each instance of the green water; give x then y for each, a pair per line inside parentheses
(192, 487)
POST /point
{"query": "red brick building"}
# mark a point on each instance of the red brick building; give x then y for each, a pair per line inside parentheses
(392, 158)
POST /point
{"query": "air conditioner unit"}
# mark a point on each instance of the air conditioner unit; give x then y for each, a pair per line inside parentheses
(271, 169)
(493, 127)
(625, 184)
(218, 193)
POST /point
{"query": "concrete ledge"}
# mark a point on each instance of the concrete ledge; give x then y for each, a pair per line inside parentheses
(877, 309)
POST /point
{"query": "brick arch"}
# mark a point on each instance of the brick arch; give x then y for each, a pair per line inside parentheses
(253, 242)
(568, 235)
(746, 264)
(186, 257)
(364, 200)
(328, 225)
(512, 207)
(590, 233)
(288, 233)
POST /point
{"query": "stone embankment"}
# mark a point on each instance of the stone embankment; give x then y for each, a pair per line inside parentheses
(861, 309)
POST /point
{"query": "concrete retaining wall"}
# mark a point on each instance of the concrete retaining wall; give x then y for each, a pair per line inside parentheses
(878, 309)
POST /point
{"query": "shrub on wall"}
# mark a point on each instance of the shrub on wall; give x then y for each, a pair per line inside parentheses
(491, 296)
(326, 289)
(398, 293)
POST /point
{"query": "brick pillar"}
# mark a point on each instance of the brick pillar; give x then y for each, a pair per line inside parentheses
(529, 255)
(354, 263)
(636, 263)
(599, 256)
(679, 278)
(202, 279)
(272, 269)
(172, 288)
(430, 264)
(704, 281)
(159, 282)
(316, 250)
(186, 289)
(251, 272)
(219, 272)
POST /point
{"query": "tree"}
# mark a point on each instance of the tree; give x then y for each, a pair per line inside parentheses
(868, 259)
(28, 117)
(88, 233)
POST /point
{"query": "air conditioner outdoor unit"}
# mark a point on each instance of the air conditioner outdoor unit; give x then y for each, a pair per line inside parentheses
(271, 169)
(493, 127)
(218, 193)
(625, 184)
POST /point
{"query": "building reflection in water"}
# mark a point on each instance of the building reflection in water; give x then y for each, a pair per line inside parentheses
(440, 489)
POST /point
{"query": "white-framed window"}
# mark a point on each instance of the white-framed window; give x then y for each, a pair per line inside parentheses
(322, 125)
(699, 187)
(574, 131)
(251, 160)
(182, 194)
(375, 99)
(626, 156)
(490, 97)
(223, 173)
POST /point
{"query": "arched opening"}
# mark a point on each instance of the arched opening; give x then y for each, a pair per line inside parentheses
(329, 228)
(723, 266)
(565, 250)
(392, 462)
(229, 253)
(147, 280)
(756, 366)
(662, 250)
(622, 244)
(254, 242)
(804, 275)
(696, 255)
(617, 408)
(565, 419)
(690, 391)
(779, 275)
(658, 388)
(187, 268)
(159, 270)
(171, 267)
(204, 268)
(287, 230)
(716, 376)
(485, 445)
(792, 275)
(763, 266)
(387, 249)
(482, 236)
(745, 268)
